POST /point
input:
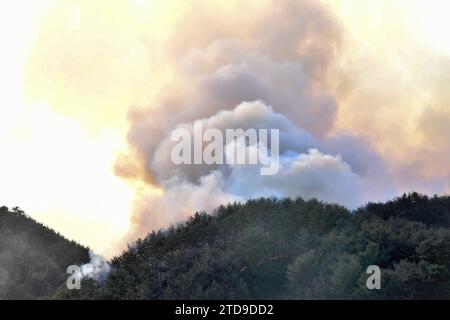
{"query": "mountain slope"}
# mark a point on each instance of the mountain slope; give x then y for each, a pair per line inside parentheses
(33, 258)
(289, 249)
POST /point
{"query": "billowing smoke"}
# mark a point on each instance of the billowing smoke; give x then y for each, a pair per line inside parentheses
(360, 99)
(266, 72)
(97, 268)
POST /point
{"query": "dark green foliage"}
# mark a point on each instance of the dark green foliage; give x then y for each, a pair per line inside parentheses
(416, 207)
(289, 249)
(33, 258)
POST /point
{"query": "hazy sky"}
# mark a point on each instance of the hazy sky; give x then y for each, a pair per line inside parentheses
(85, 88)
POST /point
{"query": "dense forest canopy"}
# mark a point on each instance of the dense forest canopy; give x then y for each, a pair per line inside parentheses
(33, 258)
(288, 249)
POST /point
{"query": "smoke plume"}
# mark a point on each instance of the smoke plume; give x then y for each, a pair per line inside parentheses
(265, 72)
(360, 101)
(97, 268)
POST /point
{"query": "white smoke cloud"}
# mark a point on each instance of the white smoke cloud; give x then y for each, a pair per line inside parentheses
(304, 170)
(307, 169)
(97, 268)
(247, 115)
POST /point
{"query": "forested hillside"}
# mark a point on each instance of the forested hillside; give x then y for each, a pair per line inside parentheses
(33, 258)
(289, 249)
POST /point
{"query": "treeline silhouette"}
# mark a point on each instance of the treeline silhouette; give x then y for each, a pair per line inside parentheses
(289, 249)
(33, 257)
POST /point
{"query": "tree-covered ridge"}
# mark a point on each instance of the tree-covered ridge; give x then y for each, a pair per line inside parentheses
(33, 258)
(289, 249)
